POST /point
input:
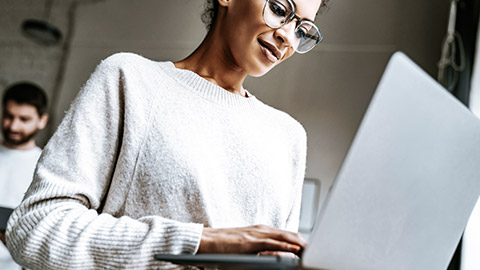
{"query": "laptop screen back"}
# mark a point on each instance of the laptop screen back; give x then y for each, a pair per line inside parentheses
(408, 183)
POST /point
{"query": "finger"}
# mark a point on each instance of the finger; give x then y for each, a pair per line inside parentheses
(286, 236)
(267, 253)
(294, 238)
(275, 245)
(278, 254)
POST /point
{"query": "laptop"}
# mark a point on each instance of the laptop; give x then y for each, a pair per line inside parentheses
(405, 190)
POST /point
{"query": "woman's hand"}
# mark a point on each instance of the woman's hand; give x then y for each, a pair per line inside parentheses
(250, 240)
(278, 254)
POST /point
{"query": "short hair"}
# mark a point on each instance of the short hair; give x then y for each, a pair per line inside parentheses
(210, 12)
(27, 93)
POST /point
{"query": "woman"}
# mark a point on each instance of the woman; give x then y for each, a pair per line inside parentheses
(162, 157)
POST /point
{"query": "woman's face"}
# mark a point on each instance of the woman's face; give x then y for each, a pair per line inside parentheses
(253, 46)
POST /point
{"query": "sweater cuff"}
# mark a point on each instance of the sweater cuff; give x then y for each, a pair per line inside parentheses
(192, 244)
(182, 238)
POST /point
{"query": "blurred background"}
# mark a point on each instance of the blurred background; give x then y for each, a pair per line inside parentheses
(327, 90)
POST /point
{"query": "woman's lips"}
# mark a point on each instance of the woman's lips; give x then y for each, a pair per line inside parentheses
(270, 51)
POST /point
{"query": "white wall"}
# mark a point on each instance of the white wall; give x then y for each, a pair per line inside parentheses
(475, 90)
(327, 89)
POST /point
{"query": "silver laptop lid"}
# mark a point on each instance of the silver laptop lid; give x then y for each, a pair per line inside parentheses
(408, 183)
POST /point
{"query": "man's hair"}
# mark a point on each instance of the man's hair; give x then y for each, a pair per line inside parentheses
(27, 93)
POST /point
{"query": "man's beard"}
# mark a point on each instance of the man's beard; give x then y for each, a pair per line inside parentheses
(17, 142)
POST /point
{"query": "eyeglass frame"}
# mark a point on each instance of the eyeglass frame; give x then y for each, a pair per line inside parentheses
(299, 21)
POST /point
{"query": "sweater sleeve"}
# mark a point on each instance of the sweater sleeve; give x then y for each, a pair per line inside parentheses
(299, 165)
(59, 224)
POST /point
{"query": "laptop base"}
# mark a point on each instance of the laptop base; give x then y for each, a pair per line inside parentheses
(232, 261)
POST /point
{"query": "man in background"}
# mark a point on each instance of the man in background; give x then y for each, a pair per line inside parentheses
(24, 113)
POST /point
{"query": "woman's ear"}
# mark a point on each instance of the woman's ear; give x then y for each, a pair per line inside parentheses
(224, 3)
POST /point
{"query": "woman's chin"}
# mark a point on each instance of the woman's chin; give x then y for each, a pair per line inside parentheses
(260, 70)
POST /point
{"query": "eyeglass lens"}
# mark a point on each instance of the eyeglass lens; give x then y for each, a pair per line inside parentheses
(277, 13)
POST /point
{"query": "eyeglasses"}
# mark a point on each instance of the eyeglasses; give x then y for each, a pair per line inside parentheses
(277, 13)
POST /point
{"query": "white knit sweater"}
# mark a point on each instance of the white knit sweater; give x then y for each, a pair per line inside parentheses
(147, 155)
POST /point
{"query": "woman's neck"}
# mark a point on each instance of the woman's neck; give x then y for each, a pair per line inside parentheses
(212, 61)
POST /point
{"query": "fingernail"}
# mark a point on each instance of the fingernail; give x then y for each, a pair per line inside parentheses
(296, 248)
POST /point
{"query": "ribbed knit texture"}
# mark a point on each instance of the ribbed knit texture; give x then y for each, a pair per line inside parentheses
(16, 172)
(147, 155)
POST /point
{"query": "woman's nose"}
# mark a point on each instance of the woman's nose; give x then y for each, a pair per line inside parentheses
(286, 34)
